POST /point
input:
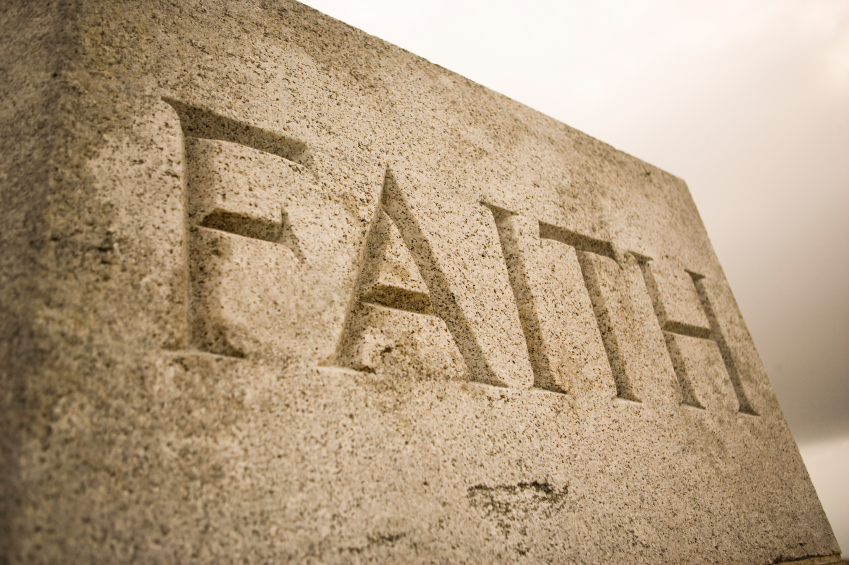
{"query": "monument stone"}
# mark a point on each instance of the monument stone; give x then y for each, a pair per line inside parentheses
(273, 290)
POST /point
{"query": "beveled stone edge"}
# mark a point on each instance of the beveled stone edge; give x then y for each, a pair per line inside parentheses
(826, 560)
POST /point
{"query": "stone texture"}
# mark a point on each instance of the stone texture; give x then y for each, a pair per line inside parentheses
(274, 290)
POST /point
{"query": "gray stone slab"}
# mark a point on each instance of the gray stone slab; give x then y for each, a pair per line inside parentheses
(274, 290)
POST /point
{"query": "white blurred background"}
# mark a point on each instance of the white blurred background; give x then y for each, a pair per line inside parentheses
(747, 101)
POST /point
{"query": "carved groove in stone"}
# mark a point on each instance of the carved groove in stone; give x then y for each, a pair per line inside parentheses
(399, 272)
(598, 270)
(688, 394)
(716, 334)
(390, 276)
(686, 329)
(443, 301)
(517, 270)
(593, 256)
(236, 180)
(398, 298)
(578, 241)
(675, 300)
(275, 232)
(203, 124)
(671, 327)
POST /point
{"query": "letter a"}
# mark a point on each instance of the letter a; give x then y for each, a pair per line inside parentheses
(404, 319)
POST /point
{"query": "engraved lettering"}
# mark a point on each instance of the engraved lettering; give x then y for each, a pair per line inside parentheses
(690, 329)
(564, 342)
(393, 327)
(718, 335)
(238, 179)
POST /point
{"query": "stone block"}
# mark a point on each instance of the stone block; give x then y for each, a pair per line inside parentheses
(276, 291)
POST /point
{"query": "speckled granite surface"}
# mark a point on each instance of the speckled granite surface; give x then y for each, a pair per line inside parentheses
(273, 290)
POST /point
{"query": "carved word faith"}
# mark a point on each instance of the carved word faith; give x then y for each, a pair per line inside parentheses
(577, 298)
